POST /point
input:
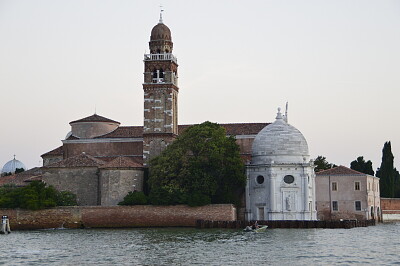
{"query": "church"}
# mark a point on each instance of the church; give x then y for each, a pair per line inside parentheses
(101, 161)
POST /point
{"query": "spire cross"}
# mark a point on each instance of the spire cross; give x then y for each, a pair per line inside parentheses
(161, 10)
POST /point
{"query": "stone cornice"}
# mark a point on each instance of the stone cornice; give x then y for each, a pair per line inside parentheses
(108, 140)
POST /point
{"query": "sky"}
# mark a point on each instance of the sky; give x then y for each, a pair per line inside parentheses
(337, 63)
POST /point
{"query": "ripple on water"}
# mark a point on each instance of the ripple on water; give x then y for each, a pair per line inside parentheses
(375, 245)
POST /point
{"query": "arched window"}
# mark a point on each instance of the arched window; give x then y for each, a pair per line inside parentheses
(161, 73)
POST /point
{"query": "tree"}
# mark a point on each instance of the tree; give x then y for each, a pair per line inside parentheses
(134, 198)
(362, 166)
(34, 196)
(202, 166)
(387, 173)
(322, 164)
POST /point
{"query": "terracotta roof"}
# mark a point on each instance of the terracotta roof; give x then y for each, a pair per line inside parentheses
(244, 128)
(22, 178)
(235, 128)
(137, 131)
(122, 162)
(56, 151)
(339, 170)
(95, 118)
(80, 160)
(124, 132)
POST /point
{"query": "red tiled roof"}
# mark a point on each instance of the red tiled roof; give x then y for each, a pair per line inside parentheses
(94, 118)
(231, 129)
(20, 179)
(56, 151)
(235, 128)
(80, 160)
(339, 170)
(124, 132)
(122, 162)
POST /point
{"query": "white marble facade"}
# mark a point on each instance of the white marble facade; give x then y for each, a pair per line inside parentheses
(280, 177)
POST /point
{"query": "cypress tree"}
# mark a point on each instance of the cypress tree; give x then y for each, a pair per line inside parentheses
(386, 172)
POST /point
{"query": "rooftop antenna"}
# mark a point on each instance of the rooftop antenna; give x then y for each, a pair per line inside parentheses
(286, 112)
(161, 10)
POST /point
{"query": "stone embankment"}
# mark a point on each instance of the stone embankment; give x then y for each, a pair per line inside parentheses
(346, 224)
(117, 216)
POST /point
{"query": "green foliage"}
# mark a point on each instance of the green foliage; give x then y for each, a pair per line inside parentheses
(202, 166)
(35, 196)
(66, 198)
(322, 164)
(134, 198)
(19, 170)
(389, 176)
(362, 166)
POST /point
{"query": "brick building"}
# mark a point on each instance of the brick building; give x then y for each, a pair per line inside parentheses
(343, 193)
(101, 161)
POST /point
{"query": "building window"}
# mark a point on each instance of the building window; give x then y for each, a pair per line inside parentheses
(288, 179)
(260, 179)
(335, 205)
(358, 205)
(334, 186)
(356, 185)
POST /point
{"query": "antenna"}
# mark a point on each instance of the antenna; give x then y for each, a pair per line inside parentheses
(161, 10)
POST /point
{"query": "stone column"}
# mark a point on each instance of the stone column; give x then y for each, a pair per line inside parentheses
(272, 192)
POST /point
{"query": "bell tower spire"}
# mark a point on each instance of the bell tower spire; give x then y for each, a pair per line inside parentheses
(160, 125)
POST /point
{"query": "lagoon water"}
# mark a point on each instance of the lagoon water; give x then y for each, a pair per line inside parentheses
(375, 245)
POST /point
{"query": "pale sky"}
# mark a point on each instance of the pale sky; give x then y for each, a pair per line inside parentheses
(336, 62)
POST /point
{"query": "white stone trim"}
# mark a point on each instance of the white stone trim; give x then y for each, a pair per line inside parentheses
(245, 136)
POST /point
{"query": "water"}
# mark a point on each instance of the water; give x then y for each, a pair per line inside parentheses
(375, 245)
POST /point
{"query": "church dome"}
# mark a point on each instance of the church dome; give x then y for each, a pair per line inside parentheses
(279, 142)
(160, 32)
(12, 165)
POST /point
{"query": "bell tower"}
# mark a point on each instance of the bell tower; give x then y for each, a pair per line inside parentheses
(160, 86)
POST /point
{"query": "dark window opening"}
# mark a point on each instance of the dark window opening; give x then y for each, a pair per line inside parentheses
(288, 179)
(260, 179)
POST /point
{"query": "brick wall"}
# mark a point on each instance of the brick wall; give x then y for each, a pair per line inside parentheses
(390, 209)
(118, 216)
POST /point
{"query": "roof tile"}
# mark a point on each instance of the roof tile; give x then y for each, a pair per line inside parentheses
(94, 118)
(339, 170)
(122, 162)
(80, 160)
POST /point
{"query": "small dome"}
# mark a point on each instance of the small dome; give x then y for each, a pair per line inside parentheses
(279, 142)
(12, 165)
(160, 32)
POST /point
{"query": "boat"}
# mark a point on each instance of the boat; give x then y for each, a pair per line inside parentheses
(261, 228)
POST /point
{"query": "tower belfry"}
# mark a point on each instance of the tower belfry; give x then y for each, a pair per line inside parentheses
(160, 87)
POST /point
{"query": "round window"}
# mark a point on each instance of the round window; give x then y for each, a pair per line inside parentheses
(289, 179)
(260, 179)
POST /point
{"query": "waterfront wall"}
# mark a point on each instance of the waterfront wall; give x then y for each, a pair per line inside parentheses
(117, 216)
(390, 209)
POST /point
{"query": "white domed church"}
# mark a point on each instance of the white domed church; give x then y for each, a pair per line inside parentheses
(280, 177)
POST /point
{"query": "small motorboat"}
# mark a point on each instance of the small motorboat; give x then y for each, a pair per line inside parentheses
(261, 228)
